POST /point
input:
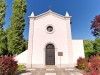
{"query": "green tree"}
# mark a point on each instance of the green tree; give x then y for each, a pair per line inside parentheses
(26, 44)
(88, 47)
(3, 38)
(15, 31)
(97, 45)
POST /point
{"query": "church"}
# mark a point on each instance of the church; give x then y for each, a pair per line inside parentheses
(50, 42)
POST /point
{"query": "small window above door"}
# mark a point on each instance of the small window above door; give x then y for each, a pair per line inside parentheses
(50, 29)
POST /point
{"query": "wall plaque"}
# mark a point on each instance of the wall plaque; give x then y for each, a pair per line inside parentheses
(60, 53)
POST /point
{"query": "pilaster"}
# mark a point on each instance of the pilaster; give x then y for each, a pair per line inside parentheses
(69, 37)
(30, 41)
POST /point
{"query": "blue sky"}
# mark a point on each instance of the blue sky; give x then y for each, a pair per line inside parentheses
(82, 12)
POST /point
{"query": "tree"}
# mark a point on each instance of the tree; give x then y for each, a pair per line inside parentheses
(91, 47)
(88, 45)
(95, 27)
(3, 38)
(26, 44)
(97, 45)
(16, 29)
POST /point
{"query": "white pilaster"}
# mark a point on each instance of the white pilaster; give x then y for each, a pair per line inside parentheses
(30, 41)
(69, 36)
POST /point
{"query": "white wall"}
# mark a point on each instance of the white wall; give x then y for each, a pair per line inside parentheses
(61, 38)
(41, 38)
(22, 58)
(78, 49)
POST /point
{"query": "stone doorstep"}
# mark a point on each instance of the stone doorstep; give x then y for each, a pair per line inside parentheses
(69, 69)
(50, 69)
(77, 73)
(72, 74)
(50, 73)
(31, 69)
(54, 66)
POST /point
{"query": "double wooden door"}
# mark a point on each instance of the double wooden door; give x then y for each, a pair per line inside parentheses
(50, 54)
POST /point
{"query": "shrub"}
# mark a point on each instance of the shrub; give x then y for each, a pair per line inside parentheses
(90, 66)
(89, 54)
(93, 72)
(8, 66)
(95, 63)
(20, 67)
(82, 63)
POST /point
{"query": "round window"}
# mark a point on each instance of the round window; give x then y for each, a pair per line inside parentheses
(49, 28)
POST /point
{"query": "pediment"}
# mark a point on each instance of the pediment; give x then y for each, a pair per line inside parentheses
(50, 12)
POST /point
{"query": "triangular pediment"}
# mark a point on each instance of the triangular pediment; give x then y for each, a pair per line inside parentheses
(50, 12)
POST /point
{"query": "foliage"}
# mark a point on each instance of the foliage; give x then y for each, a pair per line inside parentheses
(20, 67)
(15, 31)
(8, 66)
(3, 43)
(93, 65)
(3, 38)
(95, 27)
(94, 72)
(25, 45)
(89, 54)
(97, 44)
(82, 63)
(91, 47)
(88, 47)
(2, 12)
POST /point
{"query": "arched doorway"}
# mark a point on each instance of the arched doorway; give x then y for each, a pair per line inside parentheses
(50, 54)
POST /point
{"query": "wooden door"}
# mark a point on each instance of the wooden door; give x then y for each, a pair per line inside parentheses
(50, 54)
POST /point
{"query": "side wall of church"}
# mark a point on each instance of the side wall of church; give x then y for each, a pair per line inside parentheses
(78, 49)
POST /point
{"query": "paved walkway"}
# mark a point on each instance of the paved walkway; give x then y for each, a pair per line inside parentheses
(51, 71)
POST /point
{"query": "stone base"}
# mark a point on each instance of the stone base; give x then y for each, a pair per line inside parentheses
(50, 73)
(49, 66)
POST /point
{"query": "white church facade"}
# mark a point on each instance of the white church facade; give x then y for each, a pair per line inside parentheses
(50, 42)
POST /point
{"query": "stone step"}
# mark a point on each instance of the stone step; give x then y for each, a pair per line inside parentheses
(52, 71)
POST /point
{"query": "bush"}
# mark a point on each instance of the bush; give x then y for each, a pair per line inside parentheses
(20, 67)
(90, 66)
(8, 66)
(95, 63)
(89, 54)
(82, 63)
(94, 72)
